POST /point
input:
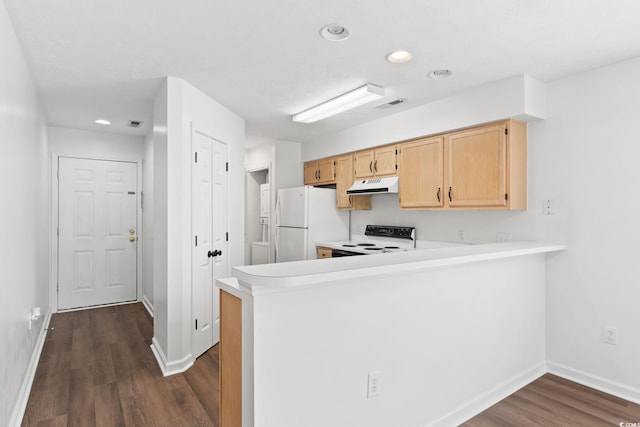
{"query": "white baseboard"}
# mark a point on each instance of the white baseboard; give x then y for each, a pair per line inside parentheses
(490, 397)
(173, 367)
(147, 304)
(622, 391)
(27, 382)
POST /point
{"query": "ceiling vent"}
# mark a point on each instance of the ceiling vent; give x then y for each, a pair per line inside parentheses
(134, 123)
(392, 103)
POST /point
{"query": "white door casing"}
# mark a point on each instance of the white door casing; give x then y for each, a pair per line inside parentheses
(97, 232)
(209, 226)
(220, 223)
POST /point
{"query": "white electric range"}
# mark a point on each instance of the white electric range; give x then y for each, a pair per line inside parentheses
(376, 239)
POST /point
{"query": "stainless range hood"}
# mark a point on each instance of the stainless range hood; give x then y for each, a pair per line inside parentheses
(384, 185)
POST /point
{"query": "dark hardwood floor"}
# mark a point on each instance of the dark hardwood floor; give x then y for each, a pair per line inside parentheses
(553, 401)
(97, 369)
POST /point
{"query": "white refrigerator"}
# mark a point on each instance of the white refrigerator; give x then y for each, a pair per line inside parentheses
(304, 216)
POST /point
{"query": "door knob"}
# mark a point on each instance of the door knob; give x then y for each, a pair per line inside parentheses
(211, 254)
(132, 239)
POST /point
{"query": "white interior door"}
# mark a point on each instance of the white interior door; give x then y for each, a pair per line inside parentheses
(97, 237)
(209, 224)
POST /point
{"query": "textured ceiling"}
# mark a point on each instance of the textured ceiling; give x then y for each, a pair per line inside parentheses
(265, 60)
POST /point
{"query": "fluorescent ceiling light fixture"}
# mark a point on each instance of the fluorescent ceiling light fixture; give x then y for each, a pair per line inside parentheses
(102, 122)
(399, 56)
(355, 98)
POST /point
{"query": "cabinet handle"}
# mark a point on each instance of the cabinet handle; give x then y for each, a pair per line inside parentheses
(375, 166)
(371, 166)
(350, 200)
(450, 195)
(319, 175)
(438, 194)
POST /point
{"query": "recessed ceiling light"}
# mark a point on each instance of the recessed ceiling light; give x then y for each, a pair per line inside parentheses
(103, 122)
(399, 56)
(334, 32)
(440, 74)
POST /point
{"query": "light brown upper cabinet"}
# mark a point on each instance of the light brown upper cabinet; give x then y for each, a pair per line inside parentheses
(486, 167)
(344, 180)
(420, 173)
(320, 172)
(379, 161)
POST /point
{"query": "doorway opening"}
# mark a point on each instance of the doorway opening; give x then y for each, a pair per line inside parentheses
(258, 216)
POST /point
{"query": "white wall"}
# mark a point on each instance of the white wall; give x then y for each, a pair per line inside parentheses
(161, 181)
(177, 105)
(584, 157)
(521, 97)
(96, 145)
(446, 343)
(147, 223)
(24, 245)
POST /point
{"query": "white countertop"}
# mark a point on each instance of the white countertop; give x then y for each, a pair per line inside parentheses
(270, 278)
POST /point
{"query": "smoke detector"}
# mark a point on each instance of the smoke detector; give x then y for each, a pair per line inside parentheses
(334, 32)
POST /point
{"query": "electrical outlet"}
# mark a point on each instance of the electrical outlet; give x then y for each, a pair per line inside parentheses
(548, 207)
(373, 384)
(610, 335)
(502, 236)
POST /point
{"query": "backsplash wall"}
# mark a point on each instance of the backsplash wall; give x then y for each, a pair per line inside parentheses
(476, 226)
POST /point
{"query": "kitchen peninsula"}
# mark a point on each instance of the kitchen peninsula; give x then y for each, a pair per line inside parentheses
(428, 337)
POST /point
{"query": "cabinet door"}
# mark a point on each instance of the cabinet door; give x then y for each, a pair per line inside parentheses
(311, 172)
(420, 173)
(344, 180)
(476, 167)
(384, 161)
(324, 252)
(326, 171)
(363, 164)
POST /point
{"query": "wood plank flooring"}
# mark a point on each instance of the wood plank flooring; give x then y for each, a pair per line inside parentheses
(97, 369)
(553, 401)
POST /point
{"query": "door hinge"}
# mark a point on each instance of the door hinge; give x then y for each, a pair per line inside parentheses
(227, 166)
(396, 167)
(506, 131)
(227, 236)
(196, 240)
(506, 196)
(58, 174)
(196, 157)
(196, 324)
